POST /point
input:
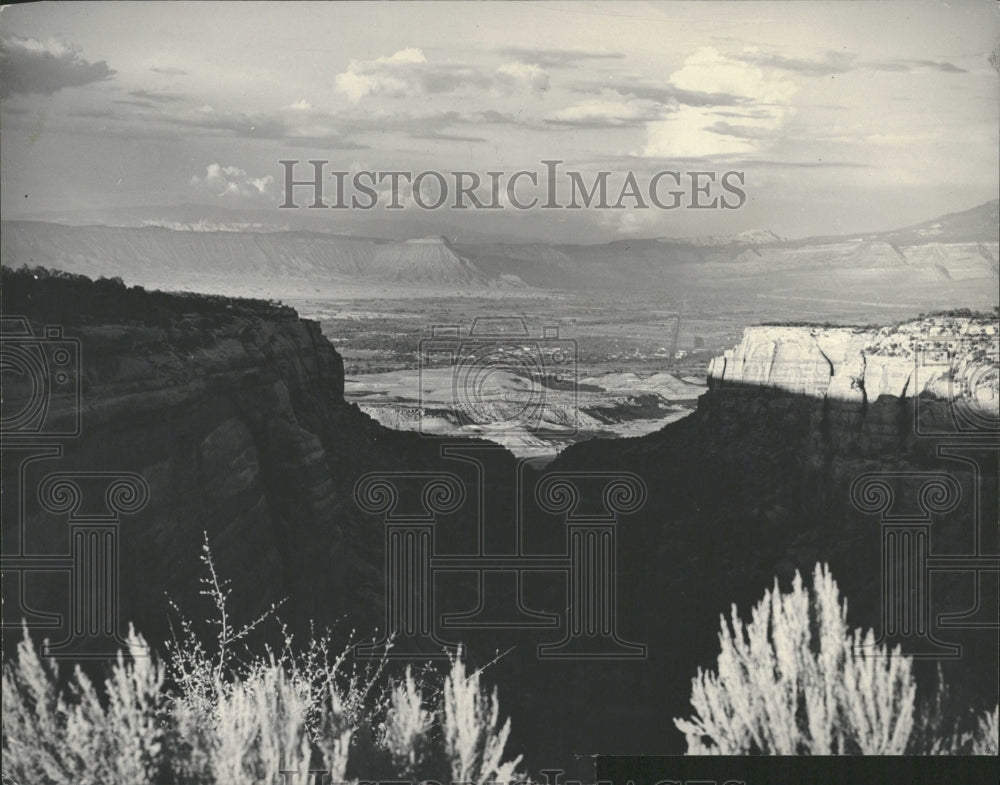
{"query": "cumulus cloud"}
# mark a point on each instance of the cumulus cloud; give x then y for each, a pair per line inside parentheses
(232, 181)
(28, 65)
(762, 106)
(631, 222)
(710, 71)
(403, 57)
(607, 113)
(515, 76)
(692, 133)
(409, 72)
(356, 84)
(389, 76)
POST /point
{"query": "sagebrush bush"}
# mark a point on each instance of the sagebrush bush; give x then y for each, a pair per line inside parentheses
(795, 680)
(405, 734)
(985, 740)
(214, 715)
(77, 737)
(473, 741)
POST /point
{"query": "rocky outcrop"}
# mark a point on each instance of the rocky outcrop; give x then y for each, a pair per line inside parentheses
(858, 363)
(761, 481)
(876, 389)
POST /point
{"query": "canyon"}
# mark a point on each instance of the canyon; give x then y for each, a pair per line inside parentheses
(514, 408)
(234, 413)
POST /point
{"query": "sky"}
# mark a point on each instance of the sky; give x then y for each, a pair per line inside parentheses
(842, 117)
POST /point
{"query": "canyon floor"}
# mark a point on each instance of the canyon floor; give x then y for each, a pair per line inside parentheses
(439, 401)
(538, 374)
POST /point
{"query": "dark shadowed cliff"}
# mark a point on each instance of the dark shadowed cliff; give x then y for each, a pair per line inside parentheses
(233, 413)
(829, 444)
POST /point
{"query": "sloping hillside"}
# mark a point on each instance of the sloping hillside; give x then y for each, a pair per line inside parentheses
(945, 263)
(157, 256)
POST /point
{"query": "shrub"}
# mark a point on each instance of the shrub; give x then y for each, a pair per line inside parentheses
(985, 739)
(217, 715)
(796, 681)
(472, 741)
(405, 732)
(80, 738)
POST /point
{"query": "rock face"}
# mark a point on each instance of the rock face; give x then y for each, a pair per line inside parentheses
(877, 390)
(763, 480)
(233, 413)
(862, 363)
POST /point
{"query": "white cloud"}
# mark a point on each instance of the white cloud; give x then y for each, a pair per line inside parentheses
(231, 181)
(357, 85)
(710, 71)
(762, 105)
(302, 105)
(403, 57)
(409, 72)
(607, 113)
(513, 76)
(685, 134)
(631, 222)
(383, 76)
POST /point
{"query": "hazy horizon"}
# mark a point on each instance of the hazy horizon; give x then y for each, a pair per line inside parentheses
(844, 117)
(80, 218)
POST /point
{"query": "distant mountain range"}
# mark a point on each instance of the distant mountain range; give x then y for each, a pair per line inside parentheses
(946, 262)
(399, 225)
(156, 256)
(749, 237)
